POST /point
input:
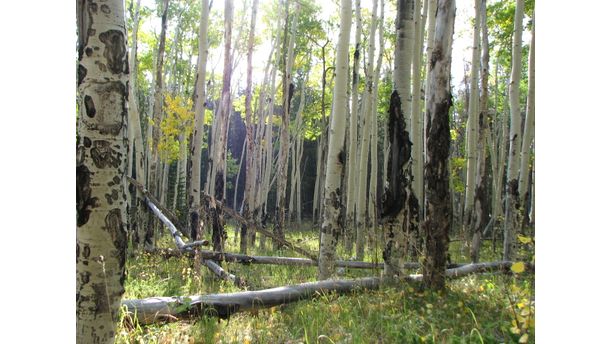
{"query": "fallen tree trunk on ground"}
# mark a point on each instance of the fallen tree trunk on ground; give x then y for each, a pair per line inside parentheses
(233, 214)
(293, 261)
(218, 270)
(167, 218)
(164, 309)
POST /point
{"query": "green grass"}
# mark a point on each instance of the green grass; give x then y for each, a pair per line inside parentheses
(474, 309)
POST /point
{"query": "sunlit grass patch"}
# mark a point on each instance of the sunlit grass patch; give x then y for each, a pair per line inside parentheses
(481, 308)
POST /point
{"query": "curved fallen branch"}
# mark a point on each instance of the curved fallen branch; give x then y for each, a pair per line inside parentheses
(162, 309)
(167, 218)
(167, 213)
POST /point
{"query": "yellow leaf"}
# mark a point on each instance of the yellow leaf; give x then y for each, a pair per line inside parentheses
(524, 338)
(515, 330)
(524, 239)
(518, 267)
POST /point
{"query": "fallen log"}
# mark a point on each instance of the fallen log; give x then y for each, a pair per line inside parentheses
(164, 309)
(167, 218)
(232, 213)
(292, 261)
(222, 274)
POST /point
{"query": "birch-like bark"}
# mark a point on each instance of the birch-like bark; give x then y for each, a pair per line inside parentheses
(482, 203)
(317, 196)
(513, 204)
(283, 158)
(472, 126)
(372, 204)
(195, 151)
(501, 161)
(155, 163)
(298, 141)
(136, 141)
(404, 47)
(352, 162)
(219, 158)
(529, 124)
(330, 229)
(249, 194)
(416, 128)
(101, 162)
(367, 134)
(438, 210)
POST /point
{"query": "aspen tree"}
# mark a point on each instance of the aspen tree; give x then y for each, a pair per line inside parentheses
(472, 125)
(283, 158)
(416, 128)
(372, 204)
(482, 203)
(101, 162)
(195, 151)
(155, 166)
(249, 192)
(438, 211)
(154, 162)
(415, 134)
(513, 211)
(352, 162)
(529, 124)
(367, 134)
(330, 229)
(136, 141)
(219, 158)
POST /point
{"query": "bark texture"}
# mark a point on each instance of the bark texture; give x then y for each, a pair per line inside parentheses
(195, 151)
(102, 153)
(513, 204)
(438, 210)
(332, 222)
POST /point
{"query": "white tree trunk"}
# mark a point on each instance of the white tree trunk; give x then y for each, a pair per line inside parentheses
(416, 129)
(195, 151)
(513, 213)
(404, 47)
(249, 191)
(529, 124)
(472, 125)
(372, 204)
(102, 154)
(482, 204)
(283, 158)
(155, 169)
(219, 157)
(136, 140)
(330, 229)
(438, 209)
(352, 162)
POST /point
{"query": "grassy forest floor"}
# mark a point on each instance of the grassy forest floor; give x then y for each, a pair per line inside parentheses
(483, 308)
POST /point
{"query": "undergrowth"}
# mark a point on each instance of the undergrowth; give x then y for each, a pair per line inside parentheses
(482, 308)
